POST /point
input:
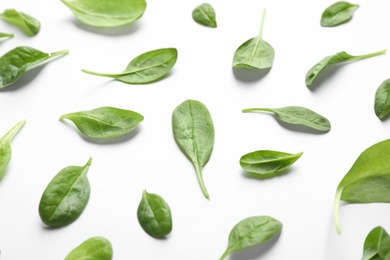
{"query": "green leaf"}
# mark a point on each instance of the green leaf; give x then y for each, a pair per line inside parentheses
(339, 57)
(382, 100)
(266, 163)
(254, 53)
(377, 238)
(95, 248)
(28, 24)
(338, 13)
(5, 36)
(368, 180)
(252, 232)
(145, 68)
(16, 62)
(66, 196)
(105, 122)
(193, 131)
(297, 116)
(204, 14)
(154, 215)
(106, 13)
(5, 147)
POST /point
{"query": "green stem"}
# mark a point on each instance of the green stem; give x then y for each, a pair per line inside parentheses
(59, 53)
(6, 35)
(225, 254)
(89, 162)
(336, 210)
(198, 170)
(11, 133)
(101, 74)
(360, 57)
(260, 35)
(256, 110)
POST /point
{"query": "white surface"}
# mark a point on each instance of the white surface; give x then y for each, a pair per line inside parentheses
(302, 199)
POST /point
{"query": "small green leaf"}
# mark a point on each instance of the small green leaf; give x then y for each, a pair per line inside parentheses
(382, 100)
(204, 14)
(297, 116)
(105, 122)
(154, 215)
(106, 13)
(254, 53)
(252, 232)
(338, 13)
(328, 61)
(28, 24)
(16, 62)
(66, 196)
(376, 241)
(266, 163)
(95, 248)
(146, 68)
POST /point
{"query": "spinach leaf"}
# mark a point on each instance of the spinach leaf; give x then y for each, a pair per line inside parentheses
(5, 147)
(368, 180)
(193, 131)
(95, 248)
(376, 242)
(250, 232)
(339, 57)
(297, 116)
(338, 13)
(382, 100)
(145, 68)
(204, 14)
(154, 215)
(105, 122)
(66, 196)
(106, 13)
(254, 53)
(5, 36)
(28, 24)
(16, 62)
(266, 163)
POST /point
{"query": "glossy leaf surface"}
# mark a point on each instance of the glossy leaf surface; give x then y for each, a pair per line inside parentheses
(95, 248)
(204, 14)
(106, 13)
(252, 232)
(66, 196)
(382, 100)
(193, 131)
(297, 116)
(368, 180)
(338, 13)
(28, 24)
(328, 61)
(254, 53)
(266, 163)
(154, 215)
(5, 147)
(105, 122)
(377, 241)
(16, 62)
(145, 68)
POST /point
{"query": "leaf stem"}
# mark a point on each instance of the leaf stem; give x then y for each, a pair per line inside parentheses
(225, 254)
(365, 56)
(89, 162)
(260, 35)
(11, 133)
(257, 109)
(59, 53)
(198, 170)
(336, 210)
(100, 74)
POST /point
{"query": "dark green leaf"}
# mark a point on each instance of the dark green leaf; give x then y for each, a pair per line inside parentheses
(252, 232)
(95, 248)
(382, 99)
(28, 24)
(145, 68)
(338, 13)
(377, 238)
(368, 180)
(204, 14)
(297, 116)
(16, 62)
(106, 13)
(105, 122)
(154, 215)
(340, 57)
(193, 131)
(66, 196)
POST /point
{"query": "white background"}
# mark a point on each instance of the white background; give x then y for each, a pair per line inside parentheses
(150, 159)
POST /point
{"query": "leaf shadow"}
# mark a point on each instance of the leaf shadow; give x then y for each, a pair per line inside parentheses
(325, 76)
(250, 75)
(109, 31)
(25, 79)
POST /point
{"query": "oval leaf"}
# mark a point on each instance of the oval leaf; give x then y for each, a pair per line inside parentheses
(297, 116)
(368, 180)
(193, 131)
(106, 13)
(95, 248)
(266, 163)
(105, 122)
(204, 14)
(145, 68)
(338, 13)
(154, 215)
(377, 238)
(28, 24)
(382, 100)
(66, 196)
(252, 232)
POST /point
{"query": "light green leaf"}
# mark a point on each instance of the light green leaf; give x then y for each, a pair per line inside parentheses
(28, 24)
(95, 248)
(382, 100)
(375, 240)
(338, 13)
(204, 14)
